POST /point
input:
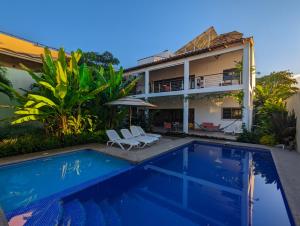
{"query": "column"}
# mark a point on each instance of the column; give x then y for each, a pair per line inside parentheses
(185, 114)
(146, 82)
(186, 79)
(186, 82)
(246, 86)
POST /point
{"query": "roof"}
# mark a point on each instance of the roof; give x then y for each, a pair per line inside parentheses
(200, 42)
(22, 48)
(207, 41)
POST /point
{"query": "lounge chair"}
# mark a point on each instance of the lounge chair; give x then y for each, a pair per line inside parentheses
(136, 133)
(128, 136)
(143, 133)
(114, 138)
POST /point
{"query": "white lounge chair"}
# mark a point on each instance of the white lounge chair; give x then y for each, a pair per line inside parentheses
(114, 138)
(136, 133)
(128, 136)
(143, 133)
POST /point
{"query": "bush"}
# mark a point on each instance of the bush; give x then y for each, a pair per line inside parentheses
(39, 142)
(249, 136)
(12, 131)
(268, 140)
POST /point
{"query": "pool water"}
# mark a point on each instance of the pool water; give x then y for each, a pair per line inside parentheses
(26, 182)
(197, 184)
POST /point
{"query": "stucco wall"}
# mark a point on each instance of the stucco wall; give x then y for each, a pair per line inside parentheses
(20, 80)
(166, 73)
(206, 110)
(215, 65)
(293, 104)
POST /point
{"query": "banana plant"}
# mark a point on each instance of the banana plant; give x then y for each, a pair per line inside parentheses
(63, 87)
(119, 87)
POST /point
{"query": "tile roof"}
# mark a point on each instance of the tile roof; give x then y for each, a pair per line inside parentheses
(221, 41)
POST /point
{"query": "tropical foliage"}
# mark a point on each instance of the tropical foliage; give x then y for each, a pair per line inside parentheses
(69, 96)
(111, 116)
(94, 59)
(272, 122)
(5, 83)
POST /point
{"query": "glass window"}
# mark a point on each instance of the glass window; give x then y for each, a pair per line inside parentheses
(231, 113)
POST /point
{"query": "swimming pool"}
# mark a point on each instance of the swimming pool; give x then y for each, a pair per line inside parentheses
(24, 183)
(196, 184)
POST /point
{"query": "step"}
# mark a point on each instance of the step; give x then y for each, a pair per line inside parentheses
(137, 210)
(73, 214)
(111, 216)
(94, 215)
(48, 215)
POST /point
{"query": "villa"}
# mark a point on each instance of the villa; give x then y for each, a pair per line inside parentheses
(187, 85)
(206, 85)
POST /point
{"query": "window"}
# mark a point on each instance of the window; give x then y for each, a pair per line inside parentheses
(231, 77)
(231, 113)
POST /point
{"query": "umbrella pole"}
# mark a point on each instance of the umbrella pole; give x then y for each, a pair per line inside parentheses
(129, 116)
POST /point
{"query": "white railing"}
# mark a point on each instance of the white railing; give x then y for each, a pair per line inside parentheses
(196, 82)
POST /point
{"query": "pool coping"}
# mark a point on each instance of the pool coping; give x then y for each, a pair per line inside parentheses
(287, 163)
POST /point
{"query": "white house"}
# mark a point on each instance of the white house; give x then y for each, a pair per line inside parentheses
(184, 84)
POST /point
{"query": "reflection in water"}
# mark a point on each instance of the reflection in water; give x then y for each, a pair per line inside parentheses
(228, 167)
(69, 168)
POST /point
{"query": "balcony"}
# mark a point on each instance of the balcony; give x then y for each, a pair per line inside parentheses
(227, 78)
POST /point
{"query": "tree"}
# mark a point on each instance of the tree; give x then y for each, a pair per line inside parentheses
(110, 116)
(63, 87)
(94, 59)
(4, 83)
(271, 117)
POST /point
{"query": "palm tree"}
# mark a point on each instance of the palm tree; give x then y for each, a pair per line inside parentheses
(5, 82)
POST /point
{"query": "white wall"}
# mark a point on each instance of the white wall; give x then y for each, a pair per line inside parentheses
(19, 79)
(206, 110)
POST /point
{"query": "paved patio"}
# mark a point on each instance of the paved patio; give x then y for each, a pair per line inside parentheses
(287, 163)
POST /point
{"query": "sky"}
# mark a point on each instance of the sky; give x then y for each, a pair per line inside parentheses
(134, 29)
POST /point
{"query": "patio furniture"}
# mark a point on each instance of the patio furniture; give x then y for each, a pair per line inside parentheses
(175, 125)
(234, 128)
(143, 133)
(145, 140)
(167, 126)
(210, 127)
(114, 138)
(136, 133)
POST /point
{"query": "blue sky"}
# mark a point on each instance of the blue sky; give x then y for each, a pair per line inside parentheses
(133, 29)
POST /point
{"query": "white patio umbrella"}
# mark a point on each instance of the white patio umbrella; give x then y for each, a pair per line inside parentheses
(131, 102)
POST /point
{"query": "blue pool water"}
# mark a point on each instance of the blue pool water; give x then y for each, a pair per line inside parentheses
(197, 184)
(26, 182)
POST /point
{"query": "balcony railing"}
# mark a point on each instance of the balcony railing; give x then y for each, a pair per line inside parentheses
(195, 82)
(215, 80)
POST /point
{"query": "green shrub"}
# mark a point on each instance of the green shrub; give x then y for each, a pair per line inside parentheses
(34, 142)
(12, 131)
(268, 140)
(249, 136)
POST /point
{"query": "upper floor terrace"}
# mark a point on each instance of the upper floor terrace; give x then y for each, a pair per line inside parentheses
(213, 72)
